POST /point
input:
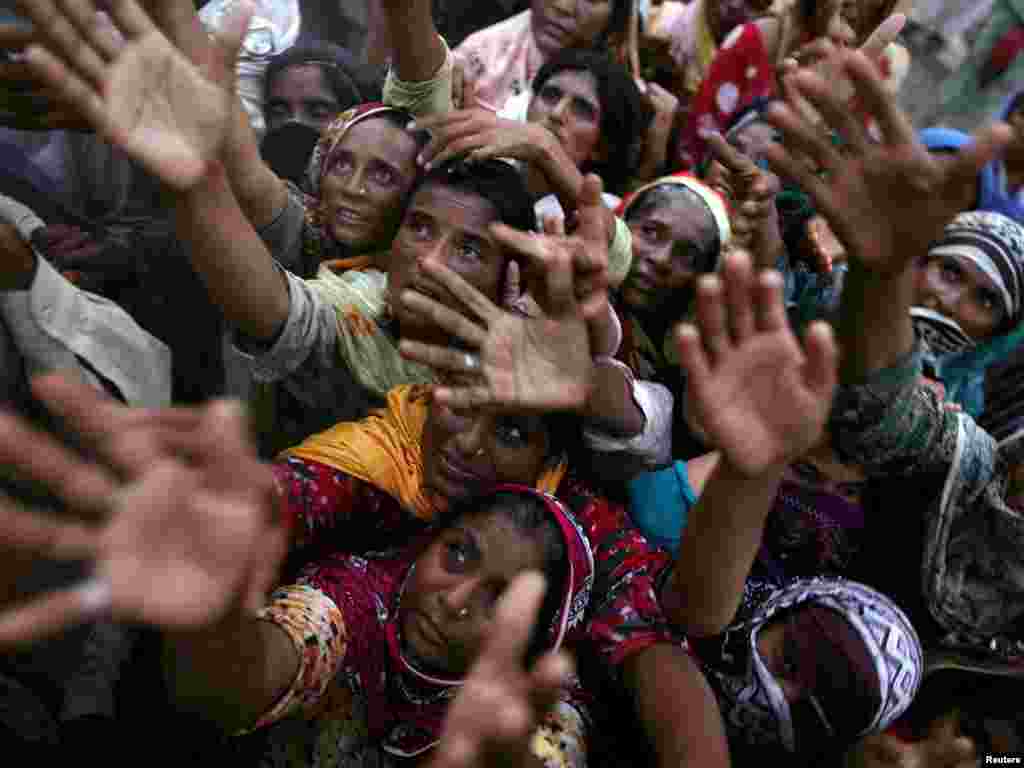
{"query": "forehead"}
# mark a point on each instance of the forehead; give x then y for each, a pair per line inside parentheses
(507, 550)
(460, 208)
(577, 83)
(301, 81)
(377, 137)
(685, 216)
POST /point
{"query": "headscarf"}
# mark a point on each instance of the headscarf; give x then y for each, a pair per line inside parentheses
(384, 449)
(995, 244)
(428, 714)
(318, 243)
(876, 646)
(991, 195)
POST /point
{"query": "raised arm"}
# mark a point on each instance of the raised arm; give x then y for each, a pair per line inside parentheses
(417, 51)
(175, 124)
(886, 200)
(763, 401)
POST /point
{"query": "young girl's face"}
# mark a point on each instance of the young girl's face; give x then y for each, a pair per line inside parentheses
(449, 601)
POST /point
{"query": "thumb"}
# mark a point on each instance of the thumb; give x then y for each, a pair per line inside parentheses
(231, 34)
(469, 99)
(590, 213)
(884, 34)
(512, 285)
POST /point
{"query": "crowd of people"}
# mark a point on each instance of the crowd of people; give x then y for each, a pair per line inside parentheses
(625, 383)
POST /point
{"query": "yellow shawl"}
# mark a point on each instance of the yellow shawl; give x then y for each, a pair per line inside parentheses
(384, 449)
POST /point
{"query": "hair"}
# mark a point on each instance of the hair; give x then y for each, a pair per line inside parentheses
(668, 194)
(531, 517)
(618, 24)
(339, 68)
(624, 114)
(496, 181)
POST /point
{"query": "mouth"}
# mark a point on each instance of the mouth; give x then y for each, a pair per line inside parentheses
(349, 216)
(457, 472)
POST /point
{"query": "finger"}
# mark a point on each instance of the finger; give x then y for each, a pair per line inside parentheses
(800, 134)
(822, 359)
(553, 225)
(464, 398)
(478, 304)
(440, 358)
(85, 488)
(788, 165)
(885, 33)
(48, 615)
(96, 30)
(737, 274)
(770, 302)
(711, 317)
(693, 357)
(41, 535)
(512, 289)
(469, 91)
(231, 32)
(547, 258)
(728, 155)
(989, 143)
(71, 88)
(60, 28)
(893, 122)
(133, 22)
(591, 212)
(445, 318)
(457, 148)
(514, 617)
(825, 98)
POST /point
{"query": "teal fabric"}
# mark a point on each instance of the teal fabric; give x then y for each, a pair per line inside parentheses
(660, 503)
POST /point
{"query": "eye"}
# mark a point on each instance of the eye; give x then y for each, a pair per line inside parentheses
(471, 249)
(456, 556)
(421, 227)
(584, 110)
(549, 94)
(951, 271)
(343, 165)
(277, 110)
(384, 176)
(511, 433)
(987, 300)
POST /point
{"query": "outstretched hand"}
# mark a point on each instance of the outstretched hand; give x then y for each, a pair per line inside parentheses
(175, 513)
(133, 85)
(886, 200)
(540, 362)
(501, 703)
(479, 134)
(760, 398)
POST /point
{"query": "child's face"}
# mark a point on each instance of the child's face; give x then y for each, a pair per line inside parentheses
(449, 601)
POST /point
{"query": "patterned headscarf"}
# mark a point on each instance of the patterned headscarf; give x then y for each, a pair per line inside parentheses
(318, 243)
(994, 243)
(875, 630)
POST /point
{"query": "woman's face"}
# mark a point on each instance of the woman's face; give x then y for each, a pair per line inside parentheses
(953, 286)
(559, 24)
(670, 241)
(448, 226)
(368, 176)
(568, 106)
(448, 604)
(300, 94)
(467, 453)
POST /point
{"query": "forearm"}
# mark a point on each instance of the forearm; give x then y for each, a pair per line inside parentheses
(610, 405)
(232, 260)
(231, 674)
(416, 49)
(260, 192)
(875, 330)
(718, 547)
(677, 708)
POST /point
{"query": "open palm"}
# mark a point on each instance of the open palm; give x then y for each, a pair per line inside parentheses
(760, 398)
(133, 85)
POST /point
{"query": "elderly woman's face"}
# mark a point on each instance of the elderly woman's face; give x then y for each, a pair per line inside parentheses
(559, 24)
(366, 180)
(467, 453)
(955, 287)
(670, 241)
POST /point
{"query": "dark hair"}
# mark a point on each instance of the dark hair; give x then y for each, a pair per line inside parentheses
(618, 23)
(496, 181)
(531, 517)
(624, 114)
(667, 194)
(339, 68)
